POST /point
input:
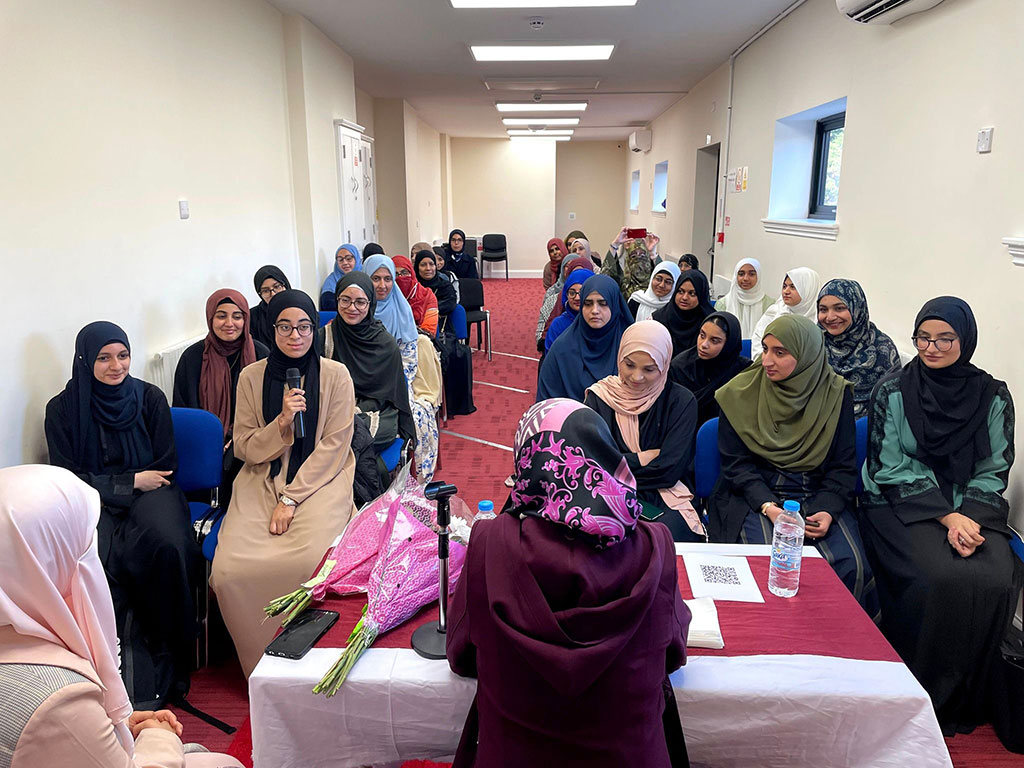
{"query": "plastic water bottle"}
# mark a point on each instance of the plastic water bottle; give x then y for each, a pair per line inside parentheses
(787, 551)
(485, 509)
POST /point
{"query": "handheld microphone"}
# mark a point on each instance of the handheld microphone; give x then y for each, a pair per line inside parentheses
(292, 380)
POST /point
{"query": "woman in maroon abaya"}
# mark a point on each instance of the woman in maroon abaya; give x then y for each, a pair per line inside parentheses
(568, 611)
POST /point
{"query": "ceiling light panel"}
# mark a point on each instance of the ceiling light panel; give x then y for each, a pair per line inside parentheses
(545, 106)
(539, 138)
(543, 132)
(541, 120)
(541, 52)
(551, 84)
(540, 3)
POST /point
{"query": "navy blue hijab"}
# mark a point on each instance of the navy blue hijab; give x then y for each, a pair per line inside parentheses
(583, 355)
(100, 412)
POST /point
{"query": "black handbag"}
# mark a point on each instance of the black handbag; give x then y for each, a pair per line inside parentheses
(1007, 691)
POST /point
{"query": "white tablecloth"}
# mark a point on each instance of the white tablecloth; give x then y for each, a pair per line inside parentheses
(765, 711)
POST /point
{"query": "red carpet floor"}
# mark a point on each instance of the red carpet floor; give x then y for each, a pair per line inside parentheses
(479, 470)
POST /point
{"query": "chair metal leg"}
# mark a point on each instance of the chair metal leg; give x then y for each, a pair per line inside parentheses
(488, 313)
(506, 269)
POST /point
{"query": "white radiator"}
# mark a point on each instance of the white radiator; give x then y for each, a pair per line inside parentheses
(165, 362)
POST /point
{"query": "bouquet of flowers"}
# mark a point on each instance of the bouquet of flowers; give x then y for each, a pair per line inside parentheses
(389, 551)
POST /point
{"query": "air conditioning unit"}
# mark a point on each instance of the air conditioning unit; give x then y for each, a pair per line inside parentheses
(640, 141)
(882, 11)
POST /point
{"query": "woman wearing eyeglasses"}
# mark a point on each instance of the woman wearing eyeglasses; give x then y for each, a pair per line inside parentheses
(294, 494)
(361, 343)
(940, 447)
(571, 303)
(269, 281)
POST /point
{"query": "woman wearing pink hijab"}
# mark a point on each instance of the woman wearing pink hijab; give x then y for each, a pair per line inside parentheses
(654, 423)
(62, 700)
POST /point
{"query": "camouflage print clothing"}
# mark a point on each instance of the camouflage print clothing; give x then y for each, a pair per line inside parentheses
(631, 267)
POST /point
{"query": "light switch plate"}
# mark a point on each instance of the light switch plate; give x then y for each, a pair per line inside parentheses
(183, 209)
(572, 216)
(985, 140)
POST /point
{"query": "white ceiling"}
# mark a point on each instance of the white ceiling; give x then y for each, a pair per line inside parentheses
(418, 50)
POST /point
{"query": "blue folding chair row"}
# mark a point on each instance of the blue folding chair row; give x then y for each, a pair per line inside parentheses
(707, 462)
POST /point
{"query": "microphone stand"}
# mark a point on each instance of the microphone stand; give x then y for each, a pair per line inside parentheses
(429, 640)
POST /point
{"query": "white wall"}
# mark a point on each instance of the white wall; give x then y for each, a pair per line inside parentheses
(676, 136)
(920, 213)
(114, 111)
(588, 176)
(502, 186)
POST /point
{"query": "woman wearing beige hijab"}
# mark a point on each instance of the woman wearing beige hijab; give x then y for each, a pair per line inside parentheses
(62, 700)
(654, 423)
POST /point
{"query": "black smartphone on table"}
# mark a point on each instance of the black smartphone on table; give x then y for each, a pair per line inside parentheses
(301, 635)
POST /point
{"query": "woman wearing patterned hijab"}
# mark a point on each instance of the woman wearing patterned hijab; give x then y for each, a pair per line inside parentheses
(940, 448)
(565, 596)
(857, 350)
(786, 433)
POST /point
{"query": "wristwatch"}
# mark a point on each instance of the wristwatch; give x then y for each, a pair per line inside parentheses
(764, 507)
(288, 501)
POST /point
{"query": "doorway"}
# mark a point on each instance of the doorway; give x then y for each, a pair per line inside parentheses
(705, 207)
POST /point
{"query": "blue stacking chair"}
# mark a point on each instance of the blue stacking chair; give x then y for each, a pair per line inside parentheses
(745, 348)
(458, 320)
(392, 455)
(1017, 544)
(326, 316)
(199, 443)
(707, 461)
(862, 449)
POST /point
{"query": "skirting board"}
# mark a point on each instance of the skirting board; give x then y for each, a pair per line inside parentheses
(498, 270)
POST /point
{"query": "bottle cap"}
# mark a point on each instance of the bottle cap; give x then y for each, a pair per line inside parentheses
(485, 506)
(791, 506)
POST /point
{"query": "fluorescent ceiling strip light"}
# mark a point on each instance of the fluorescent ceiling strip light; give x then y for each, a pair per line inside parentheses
(540, 120)
(546, 106)
(538, 138)
(542, 52)
(554, 132)
(540, 3)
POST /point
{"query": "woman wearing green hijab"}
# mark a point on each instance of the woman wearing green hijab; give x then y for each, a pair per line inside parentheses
(786, 433)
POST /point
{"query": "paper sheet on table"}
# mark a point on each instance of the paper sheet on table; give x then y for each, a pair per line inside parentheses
(704, 631)
(721, 577)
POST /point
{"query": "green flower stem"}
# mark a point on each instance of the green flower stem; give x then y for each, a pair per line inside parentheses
(362, 637)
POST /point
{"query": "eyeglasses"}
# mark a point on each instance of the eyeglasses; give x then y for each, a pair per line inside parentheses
(275, 288)
(942, 345)
(572, 294)
(285, 329)
(344, 302)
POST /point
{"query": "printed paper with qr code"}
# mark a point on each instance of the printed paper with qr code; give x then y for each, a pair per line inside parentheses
(721, 577)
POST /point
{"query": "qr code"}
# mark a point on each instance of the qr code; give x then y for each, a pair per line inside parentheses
(719, 574)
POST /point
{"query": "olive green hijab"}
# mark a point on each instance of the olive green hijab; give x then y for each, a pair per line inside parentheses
(789, 423)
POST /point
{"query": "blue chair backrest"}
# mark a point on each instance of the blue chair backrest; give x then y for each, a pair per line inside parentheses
(458, 321)
(707, 462)
(745, 348)
(199, 443)
(1016, 544)
(862, 449)
(326, 316)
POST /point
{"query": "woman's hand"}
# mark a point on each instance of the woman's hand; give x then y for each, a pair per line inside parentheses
(294, 402)
(151, 479)
(646, 457)
(651, 241)
(964, 535)
(620, 238)
(281, 519)
(772, 511)
(163, 718)
(823, 520)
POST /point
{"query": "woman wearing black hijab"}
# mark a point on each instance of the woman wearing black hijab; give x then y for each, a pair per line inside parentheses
(940, 447)
(269, 281)
(427, 274)
(458, 261)
(684, 315)
(114, 431)
(363, 345)
(373, 249)
(294, 494)
(710, 364)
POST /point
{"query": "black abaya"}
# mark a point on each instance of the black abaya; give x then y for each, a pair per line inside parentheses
(144, 539)
(669, 425)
